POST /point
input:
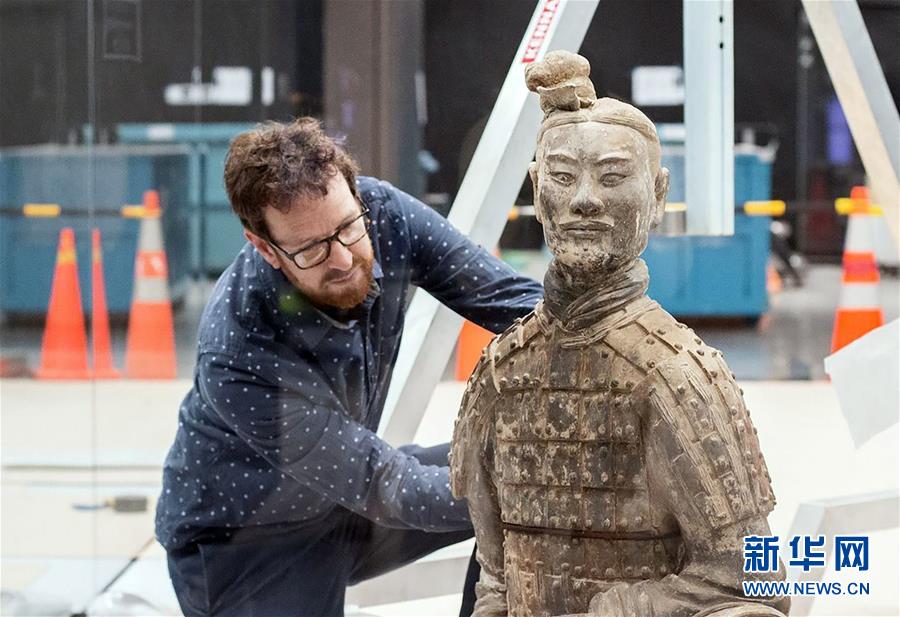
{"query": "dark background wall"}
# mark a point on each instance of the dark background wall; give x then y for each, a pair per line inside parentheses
(45, 85)
(46, 90)
(470, 45)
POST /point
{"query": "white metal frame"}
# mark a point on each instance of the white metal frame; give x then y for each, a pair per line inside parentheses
(865, 98)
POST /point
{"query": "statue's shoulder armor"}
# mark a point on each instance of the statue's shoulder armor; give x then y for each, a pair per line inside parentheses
(476, 413)
(697, 414)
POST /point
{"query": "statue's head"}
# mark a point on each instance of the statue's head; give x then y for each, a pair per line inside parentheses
(598, 185)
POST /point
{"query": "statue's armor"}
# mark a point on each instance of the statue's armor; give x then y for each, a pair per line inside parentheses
(568, 413)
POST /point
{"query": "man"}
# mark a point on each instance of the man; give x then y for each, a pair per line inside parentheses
(277, 493)
(609, 462)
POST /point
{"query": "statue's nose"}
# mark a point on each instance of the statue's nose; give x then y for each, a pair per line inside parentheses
(586, 202)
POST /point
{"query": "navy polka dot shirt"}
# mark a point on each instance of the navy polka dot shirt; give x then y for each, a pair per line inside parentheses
(279, 426)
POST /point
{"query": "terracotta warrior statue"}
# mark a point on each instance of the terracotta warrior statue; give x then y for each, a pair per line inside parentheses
(609, 462)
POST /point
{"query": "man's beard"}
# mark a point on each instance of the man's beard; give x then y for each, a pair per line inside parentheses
(343, 297)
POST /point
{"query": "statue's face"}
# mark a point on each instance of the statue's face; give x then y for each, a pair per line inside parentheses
(596, 194)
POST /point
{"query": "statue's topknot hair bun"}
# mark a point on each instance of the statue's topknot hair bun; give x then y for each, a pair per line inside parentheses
(562, 81)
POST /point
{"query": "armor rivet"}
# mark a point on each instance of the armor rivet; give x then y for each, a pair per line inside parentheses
(700, 352)
(515, 381)
(607, 523)
(503, 381)
(604, 477)
(651, 364)
(714, 374)
(589, 522)
(698, 341)
(551, 399)
(679, 346)
(604, 354)
(680, 389)
(601, 429)
(637, 479)
(573, 520)
(660, 331)
(578, 570)
(639, 521)
(629, 570)
(595, 573)
(663, 569)
(556, 584)
(629, 430)
(618, 431)
(646, 571)
(565, 567)
(615, 384)
(609, 573)
(694, 403)
(650, 341)
(733, 411)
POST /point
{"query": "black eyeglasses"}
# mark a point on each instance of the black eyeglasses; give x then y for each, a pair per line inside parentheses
(317, 252)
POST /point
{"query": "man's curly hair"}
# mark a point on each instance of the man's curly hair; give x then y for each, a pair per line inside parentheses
(275, 163)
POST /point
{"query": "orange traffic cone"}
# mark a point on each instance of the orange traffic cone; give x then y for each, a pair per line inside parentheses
(472, 341)
(103, 365)
(858, 310)
(150, 348)
(64, 348)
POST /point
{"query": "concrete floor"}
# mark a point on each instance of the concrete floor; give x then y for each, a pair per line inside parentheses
(100, 448)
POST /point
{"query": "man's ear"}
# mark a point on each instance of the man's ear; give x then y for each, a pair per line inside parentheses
(660, 191)
(532, 173)
(263, 248)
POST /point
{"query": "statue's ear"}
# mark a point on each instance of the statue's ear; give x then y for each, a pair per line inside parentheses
(532, 173)
(660, 191)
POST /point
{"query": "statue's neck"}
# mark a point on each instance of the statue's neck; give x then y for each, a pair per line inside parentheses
(574, 296)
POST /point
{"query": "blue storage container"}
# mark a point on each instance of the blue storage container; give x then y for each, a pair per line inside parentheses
(216, 233)
(712, 275)
(90, 184)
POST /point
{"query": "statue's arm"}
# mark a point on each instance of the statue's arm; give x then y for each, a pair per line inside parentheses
(706, 468)
(472, 478)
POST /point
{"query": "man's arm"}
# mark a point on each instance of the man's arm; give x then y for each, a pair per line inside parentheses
(705, 464)
(472, 479)
(316, 445)
(461, 274)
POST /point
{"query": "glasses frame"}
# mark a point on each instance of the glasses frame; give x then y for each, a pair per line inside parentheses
(335, 237)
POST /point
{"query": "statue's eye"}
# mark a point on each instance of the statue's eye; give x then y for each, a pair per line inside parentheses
(562, 177)
(611, 179)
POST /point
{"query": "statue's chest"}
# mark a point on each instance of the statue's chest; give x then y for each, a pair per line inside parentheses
(569, 449)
